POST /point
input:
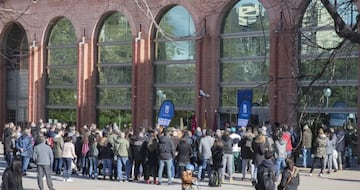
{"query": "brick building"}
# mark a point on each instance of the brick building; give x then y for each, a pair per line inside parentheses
(92, 61)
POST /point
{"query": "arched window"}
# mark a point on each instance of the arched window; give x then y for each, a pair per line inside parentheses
(62, 72)
(15, 55)
(244, 60)
(174, 62)
(114, 65)
(328, 73)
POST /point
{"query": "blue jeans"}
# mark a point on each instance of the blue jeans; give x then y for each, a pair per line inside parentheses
(123, 161)
(107, 163)
(306, 156)
(168, 168)
(204, 165)
(58, 163)
(93, 167)
(67, 167)
(280, 163)
(25, 163)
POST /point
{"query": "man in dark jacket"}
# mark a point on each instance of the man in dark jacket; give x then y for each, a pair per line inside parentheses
(266, 173)
(138, 152)
(166, 151)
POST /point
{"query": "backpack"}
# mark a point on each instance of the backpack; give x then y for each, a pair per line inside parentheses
(265, 179)
(214, 179)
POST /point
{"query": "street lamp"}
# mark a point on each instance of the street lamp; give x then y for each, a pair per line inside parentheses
(327, 94)
(161, 95)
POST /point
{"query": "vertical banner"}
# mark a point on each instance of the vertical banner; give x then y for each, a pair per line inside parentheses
(166, 113)
(244, 102)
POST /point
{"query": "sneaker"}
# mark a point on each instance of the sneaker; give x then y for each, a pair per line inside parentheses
(231, 180)
(310, 174)
(64, 179)
(69, 180)
(320, 174)
(147, 182)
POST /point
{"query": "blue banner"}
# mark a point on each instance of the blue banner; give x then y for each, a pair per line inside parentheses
(166, 113)
(244, 102)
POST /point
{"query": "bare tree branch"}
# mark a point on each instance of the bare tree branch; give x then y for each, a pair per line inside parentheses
(341, 28)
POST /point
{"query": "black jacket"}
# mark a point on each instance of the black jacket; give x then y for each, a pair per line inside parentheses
(11, 181)
(166, 148)
(138, 147)
(184, 152)
(266, 169)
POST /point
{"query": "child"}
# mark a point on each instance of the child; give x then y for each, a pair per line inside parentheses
(187, 179)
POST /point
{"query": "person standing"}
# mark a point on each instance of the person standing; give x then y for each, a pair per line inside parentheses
(12, 176)
(320, 151)
(330, 148)
(68, 155)
(166, 151)
(43, 157)
(205, 153)
(227, 159)
(340, 146)
(122, 149)
(58, 149)
(306, 145)
(280, 153)
(25, 146)
(236, 138)
(10, 147)
(247, 153)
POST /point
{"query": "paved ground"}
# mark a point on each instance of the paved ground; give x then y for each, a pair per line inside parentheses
(346, 179)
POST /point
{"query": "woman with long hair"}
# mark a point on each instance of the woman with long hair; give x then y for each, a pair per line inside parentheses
(320, 151)
(12, 176)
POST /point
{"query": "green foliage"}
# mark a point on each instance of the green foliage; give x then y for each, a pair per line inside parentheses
(62, 115)
(120, 117)
(62, 70)
(114, 96)
(63, 33)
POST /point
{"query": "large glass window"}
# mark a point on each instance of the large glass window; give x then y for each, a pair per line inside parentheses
(114, 71)
(14, 52)
(328, 70)
(62, 72)
(174, 64)
(244, 60)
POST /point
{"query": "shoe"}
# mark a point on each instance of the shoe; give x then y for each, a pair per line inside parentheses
(64, 179)
(310, 174)
(69, 180)
(159, 183)
(231, 180)
(320, 174)
(155, 182)
(147, 181)
(169, 183)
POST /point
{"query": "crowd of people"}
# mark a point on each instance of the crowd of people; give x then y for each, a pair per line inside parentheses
(114, 154)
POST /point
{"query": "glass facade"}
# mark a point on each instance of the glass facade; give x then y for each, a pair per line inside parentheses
(244, 58)
(114, 66)
(62, 72)
(328, 69)
(15, 54)
(174, 62)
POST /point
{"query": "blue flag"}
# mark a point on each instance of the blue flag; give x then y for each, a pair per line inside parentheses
(244, 102)
(166, 113)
